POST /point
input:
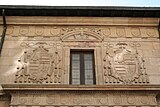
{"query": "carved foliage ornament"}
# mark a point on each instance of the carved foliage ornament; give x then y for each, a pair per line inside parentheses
(123, 64)
(40, 63)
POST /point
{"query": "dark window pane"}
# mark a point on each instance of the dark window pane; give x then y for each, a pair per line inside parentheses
(82, 69)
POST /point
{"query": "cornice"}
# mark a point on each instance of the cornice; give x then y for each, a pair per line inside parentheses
(52, 87)
(84, 21)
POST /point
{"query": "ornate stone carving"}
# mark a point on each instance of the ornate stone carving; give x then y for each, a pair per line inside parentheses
(117, 99)
(123, 63)
(75, 98)
(10, 30)
(22, 99)
(121, 32)
(41, 62)
(144, 99)
(135, 32)
(150, 32)
(103, 99)
(50, 99)
(106, 31)
(131, 99)
(55, 31)
(81, 35)
(36, 99)
(24, 30)
(39, 30)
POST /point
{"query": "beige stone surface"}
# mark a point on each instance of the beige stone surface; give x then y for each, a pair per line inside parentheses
(75, 98)
(134, 41)
(4, 104)
(148, 49)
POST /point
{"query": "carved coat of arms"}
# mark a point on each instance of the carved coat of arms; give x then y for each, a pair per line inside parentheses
(39, 65)
(123, 64)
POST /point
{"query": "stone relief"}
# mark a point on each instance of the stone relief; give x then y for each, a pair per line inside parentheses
(151, 32)
(40, 63)
(82, 44)
(81, 34)
(10, 30)
(131, 99)
(39, 30)
(97, 32)
(144, 99)
(135, 32)
(24, 30)
(55, 31)
(106, 31)
(121, 32)
(117, 99)
(123, 64)
(74, 98)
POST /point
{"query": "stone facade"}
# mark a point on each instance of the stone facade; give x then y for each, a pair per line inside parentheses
(35, 61)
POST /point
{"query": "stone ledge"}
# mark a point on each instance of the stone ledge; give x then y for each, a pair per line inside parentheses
(96, 21)
(53, 87)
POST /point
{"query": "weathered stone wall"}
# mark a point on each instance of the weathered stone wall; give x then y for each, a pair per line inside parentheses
(113, 39)
(139, 36)
(84, 98)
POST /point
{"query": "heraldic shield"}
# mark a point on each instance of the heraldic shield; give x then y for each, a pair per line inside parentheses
(123, 63)
(40, 63)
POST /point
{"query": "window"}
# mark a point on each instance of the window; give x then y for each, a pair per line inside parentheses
(82, 67)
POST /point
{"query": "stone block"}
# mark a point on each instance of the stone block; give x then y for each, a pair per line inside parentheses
(156, 53)
(12, 44)
(154, 79)
(156, 45)
(147, 53)
(4, 104)
(154, 61)
(153, 69)
(8, 61)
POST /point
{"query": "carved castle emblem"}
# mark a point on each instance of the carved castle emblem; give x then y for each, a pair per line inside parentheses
(124, 64)
(39, 65)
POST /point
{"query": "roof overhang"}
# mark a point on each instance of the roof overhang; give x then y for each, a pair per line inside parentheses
(87, 11)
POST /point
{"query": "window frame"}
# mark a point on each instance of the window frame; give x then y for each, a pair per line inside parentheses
(81, 52)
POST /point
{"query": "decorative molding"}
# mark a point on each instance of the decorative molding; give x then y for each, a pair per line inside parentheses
(81, 33)
(24, 30)
(151, 32)
(55, 31)
(64, 87)
(131, 99)
(40, 63)
(123, 64)
(87, 21)
(117, 99)
(39, 30)
(135, 31)
(106, 31)
(10, 30)
(80, 98)
(120, 31)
